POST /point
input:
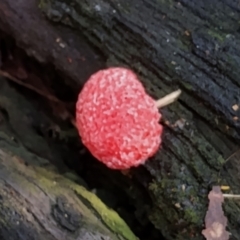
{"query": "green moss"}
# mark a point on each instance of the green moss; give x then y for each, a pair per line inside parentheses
(187, 85)
(51, 182)
(166, 2)
(192, 216)
(110, 218)
(217, 35)
(43, 4)
(221, 160)
(182, 44)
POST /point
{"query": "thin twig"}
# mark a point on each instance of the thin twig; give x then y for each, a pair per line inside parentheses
(168, 99)
(228, 159)
(10, 77)
(45, 95)
(232, 155)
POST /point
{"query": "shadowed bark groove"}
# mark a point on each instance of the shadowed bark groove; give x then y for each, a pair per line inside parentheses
(36, 202)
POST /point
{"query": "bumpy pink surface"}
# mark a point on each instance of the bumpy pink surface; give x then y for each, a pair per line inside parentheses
(116, 119)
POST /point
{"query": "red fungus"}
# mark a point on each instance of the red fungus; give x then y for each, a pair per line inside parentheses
(117, 120)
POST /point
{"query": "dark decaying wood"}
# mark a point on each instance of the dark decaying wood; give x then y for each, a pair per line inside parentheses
(36, 202)
(192, 45)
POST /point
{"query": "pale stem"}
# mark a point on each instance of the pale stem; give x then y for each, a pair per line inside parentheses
(231, 196)
(168, 99)
(162, 102)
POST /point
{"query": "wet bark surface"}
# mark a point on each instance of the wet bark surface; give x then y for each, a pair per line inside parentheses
(192, 45)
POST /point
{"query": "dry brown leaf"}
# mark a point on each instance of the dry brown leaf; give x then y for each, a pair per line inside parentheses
(215, 220)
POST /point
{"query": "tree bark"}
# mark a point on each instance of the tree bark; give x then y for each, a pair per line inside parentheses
(192, 45)
(36, 202)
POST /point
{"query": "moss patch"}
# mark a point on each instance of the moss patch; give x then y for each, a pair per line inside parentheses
(110, 218)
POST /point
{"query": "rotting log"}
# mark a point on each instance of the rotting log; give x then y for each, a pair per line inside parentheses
(193, 45)
(36, 202)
